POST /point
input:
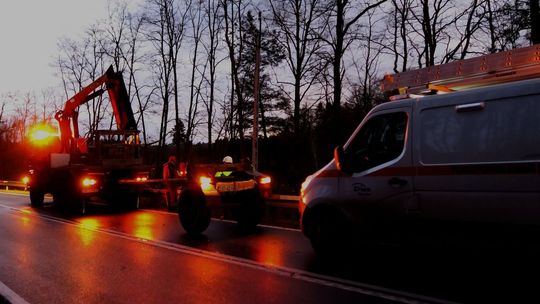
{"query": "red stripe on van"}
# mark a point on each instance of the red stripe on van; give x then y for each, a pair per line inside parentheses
(445, 170)
(394, 171)
(332, 173)
(484, 169)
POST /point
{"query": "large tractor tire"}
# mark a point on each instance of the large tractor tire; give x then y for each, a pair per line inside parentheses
(131, 201)
(79, 204)
(124, 200)
(60, 200)
(37, 196)
(251, 210)
(69, 200)
(193, 213)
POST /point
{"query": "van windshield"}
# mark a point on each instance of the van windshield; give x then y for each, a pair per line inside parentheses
(380, 140)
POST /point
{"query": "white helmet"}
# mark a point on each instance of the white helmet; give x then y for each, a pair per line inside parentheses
(227, 160)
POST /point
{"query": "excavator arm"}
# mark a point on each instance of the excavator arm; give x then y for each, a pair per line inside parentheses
(114, 84)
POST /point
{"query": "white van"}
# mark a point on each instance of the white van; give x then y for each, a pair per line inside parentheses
(472, 155)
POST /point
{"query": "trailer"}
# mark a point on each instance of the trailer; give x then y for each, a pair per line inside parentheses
(237, 188)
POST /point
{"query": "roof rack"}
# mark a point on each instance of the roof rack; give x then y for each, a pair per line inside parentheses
(508, 66)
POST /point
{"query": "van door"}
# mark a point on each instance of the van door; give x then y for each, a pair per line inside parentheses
(479, 160)
(380, 159)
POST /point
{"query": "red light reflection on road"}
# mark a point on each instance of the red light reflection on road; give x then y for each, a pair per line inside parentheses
(27, 212)
(144, 226)
(270, 253)
(87, 230)
(208, 271)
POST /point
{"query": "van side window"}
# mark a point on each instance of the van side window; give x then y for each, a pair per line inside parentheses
(504, 130)
(380, 140)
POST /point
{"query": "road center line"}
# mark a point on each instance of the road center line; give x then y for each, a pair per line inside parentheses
(306, 276)
(222, 220)
(10, 295)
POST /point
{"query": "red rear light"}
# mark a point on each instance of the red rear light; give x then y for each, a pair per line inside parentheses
(141, 176)
(265, 186)
(266, 180)
(88, 182)
(182, 172)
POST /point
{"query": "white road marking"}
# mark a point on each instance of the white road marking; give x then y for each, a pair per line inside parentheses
(306, 276)
(13, 193)
(10, 295)
(281, 228)
(222, 220)
(174, 213)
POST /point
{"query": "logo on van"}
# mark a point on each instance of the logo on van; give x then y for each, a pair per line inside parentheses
(361, 189)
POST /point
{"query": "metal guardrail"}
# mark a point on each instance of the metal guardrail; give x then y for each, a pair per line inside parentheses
(18, 185)
(276, 200)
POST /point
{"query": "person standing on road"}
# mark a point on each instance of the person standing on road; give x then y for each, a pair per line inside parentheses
(170, 171)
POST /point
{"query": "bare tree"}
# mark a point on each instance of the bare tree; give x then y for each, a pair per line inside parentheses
(401, 11)
(96, 109)
(296, 20)
(26, 115)
(4, 129)
(79, 64)
(114, 31)
(232, 18)
(210, 44)
(166, 29)
(2, 110)
(197, 27)
(535, 21)
(132, 60)
(466, 33)
(433, 22)
(504, 24)
(363, 94)
(47, 105)
(491, 26)
(344, 33)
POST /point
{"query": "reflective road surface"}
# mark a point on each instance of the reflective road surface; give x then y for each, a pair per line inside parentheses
(47, 256)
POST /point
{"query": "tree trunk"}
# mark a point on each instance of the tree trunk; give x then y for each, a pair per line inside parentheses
(535, 21)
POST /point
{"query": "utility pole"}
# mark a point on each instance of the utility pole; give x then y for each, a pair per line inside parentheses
(255, 134)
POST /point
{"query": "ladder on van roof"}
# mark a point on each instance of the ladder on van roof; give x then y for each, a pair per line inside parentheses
(508, 66)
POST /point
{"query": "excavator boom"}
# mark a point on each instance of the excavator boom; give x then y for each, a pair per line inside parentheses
(116, 88)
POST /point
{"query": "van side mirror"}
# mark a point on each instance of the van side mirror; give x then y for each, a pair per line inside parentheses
(341, 159)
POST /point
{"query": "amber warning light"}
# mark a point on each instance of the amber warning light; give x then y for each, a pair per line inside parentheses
(266, 180)
(205, 182)
(41, 134)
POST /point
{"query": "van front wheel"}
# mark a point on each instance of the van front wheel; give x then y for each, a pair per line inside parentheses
(328, 232)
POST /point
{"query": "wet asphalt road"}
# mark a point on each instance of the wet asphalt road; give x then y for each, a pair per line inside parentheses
(142, 256)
